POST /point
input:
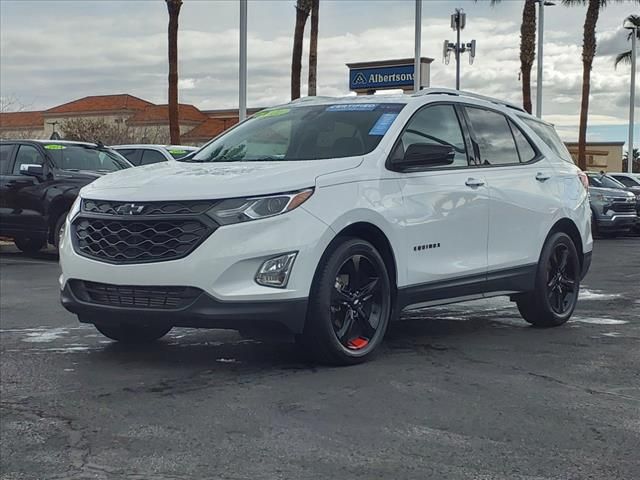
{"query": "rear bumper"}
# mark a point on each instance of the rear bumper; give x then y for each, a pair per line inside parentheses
(203, 312)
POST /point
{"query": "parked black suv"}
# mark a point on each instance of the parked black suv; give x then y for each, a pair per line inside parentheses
(39, 181)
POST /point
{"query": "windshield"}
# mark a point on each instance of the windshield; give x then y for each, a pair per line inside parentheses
(80, 157)
(604, 181)
(312, 132)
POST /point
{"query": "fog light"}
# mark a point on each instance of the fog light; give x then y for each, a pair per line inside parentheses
(275, 271)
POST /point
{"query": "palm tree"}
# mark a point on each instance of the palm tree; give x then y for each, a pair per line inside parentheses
(625, 57)
(588, 53)
(303, 7)
(313, 49)
(527, 48)
(173, 6)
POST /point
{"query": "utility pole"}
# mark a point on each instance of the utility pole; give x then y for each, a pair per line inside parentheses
(242, 110)
(418, 40)
(634, 33)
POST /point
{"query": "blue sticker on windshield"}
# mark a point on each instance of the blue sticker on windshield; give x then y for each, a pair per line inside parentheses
(352, 107)
(383, 124)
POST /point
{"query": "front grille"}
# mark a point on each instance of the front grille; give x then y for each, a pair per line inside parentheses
(126, 232)
(179, 207)
(623, 207)
(162, 298)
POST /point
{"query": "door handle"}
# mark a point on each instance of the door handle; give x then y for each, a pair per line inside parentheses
(474, 182)
(542, 177)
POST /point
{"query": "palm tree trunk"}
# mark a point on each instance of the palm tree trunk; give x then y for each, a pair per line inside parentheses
(527, 50)
(313, 49)
(173, 6)
(302, 13)
(588, 53)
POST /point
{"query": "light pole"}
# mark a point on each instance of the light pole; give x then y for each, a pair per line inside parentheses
(628, 24)
(541, 5)
(418, 40)
(242, 104)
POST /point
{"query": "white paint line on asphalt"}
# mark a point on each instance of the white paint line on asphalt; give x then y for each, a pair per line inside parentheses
(599, 321)
(586, 294)
(226, 360)
(612, 334)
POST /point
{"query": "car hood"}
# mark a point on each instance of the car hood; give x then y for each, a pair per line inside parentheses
(193, 181)
(610, 192)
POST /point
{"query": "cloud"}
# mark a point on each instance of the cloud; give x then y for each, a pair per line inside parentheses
(121, 47)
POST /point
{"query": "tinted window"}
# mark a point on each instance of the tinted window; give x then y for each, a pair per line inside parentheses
(526, 151)
(436, 125)
(306, 132)
(626, 181)
(27, 155)
(493, 137)
(549, 136)
(604, 181)
(152, 156)
(80, 157)
(5, 157)
(130, 154)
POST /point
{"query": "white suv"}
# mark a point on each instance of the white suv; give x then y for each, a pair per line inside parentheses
(326, 217)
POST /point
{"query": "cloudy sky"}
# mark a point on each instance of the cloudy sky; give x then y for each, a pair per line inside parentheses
(57, 51)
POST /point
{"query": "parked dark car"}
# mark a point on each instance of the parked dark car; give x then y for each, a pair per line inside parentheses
(39, 181)
(613, 207)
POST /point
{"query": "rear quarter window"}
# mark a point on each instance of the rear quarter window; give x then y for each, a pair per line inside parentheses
(550, 137)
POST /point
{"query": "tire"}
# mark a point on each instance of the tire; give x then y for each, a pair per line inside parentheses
(57, 229)
(30, 245)
(133, 334)
(350, 304)
(557, 284)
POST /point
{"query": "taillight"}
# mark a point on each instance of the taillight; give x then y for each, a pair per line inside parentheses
(584, 180)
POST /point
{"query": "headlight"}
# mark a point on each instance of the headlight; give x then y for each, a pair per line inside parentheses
(75, 208)
(238, 210)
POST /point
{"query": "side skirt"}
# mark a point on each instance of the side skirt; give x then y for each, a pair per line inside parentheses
(460, 289)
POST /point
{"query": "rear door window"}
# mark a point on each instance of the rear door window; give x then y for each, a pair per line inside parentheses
(5, 157)
(131, 154)
(152, 156)
(493, 137)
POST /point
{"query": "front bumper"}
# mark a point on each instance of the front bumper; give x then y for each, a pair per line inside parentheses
(203, 312)
(616, 222)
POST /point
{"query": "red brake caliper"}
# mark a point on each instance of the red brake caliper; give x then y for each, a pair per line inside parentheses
(358, 343)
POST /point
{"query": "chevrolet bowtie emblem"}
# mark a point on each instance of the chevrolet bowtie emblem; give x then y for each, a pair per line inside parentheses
(130, 209)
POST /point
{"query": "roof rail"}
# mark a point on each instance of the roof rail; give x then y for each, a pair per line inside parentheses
(462, 93)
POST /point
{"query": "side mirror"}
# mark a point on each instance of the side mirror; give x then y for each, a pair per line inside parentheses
(424, 155)
(32, 170)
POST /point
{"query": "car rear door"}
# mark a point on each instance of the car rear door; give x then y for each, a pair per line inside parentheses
(446, 211)
(523, 197)
(22, 194)
(7, 151)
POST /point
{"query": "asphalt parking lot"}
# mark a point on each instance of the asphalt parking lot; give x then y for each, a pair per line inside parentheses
(459, 392)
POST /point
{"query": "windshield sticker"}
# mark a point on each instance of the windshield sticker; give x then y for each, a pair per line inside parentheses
(352, 107)
(383, 124)
(272, 113)
(177, 152)
(54, 147)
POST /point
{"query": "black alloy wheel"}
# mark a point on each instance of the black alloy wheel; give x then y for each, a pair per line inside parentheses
(350, 304)
(557, 284)
(562, 280)
(357, 302)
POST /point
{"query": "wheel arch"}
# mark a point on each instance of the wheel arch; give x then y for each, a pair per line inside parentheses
(568, 226)
(58, 207)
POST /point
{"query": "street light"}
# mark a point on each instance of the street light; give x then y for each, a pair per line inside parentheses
(541, 5)
(628, 24)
